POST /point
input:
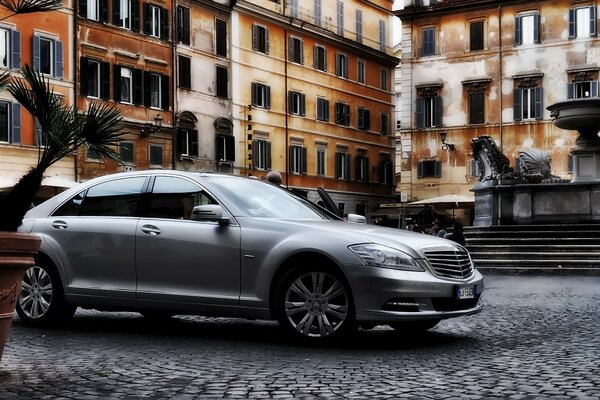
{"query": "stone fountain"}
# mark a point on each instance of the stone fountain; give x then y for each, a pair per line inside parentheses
(532, 196)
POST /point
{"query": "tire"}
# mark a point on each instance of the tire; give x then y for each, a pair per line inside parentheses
(42, 299)
(315, 305)
(414, 326)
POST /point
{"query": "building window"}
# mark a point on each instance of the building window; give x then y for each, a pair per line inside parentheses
(155, 155)
(363, 119)
(261, 95)
(221, 37)
(527, 29)
(359, 37)
(126, 151)
(187, 142)
(260, 39)
(342, 164)
(429, 169)
(476, 108)
(95, 79)
(429, 111)
(127, 85)
(296, 51)
(320, 58)
(261, 154)
(126, 91)
(582, 22)
(340, 18)
(225, 148)
(582, 90)
(95, 10)
(362, 167)
(428, 42)
(317, 14)
(322, 109)
(382, 41)
(386, 171)
(476, 36)
(125, 12)
(321, 160)
(293, 8)
(156, 90)
(10, 48)
(297, 159)
(528, 103)
(156, 21)
(184, 72)
(384, 79)
(222, 82)
(183, 25)
(384, 127)
(342, 114)
(48, 56)
(297, 103)
(10, 122)
(361, 71)
(341, 65)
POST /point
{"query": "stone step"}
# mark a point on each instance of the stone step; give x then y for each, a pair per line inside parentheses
(535, 255)
(533, 234)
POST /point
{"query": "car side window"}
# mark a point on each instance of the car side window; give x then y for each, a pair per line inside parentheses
(71, 207)
(174, 198)
(117, 198)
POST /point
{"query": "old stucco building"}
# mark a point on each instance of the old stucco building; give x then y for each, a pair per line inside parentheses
(485, 67)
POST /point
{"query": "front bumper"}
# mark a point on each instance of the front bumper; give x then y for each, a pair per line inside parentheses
(385, 295)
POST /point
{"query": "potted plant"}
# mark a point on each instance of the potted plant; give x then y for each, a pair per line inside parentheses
(64, 130)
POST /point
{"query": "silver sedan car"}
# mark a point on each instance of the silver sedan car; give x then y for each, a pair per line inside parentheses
(169, 242)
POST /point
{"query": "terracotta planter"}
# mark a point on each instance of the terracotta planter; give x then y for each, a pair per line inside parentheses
(16, 255)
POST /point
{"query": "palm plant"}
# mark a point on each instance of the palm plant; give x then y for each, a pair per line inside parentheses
(64, 130)
(30, 6)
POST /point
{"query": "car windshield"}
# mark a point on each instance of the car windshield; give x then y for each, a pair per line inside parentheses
(263, 200)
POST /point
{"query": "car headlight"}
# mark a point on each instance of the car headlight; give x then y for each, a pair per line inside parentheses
(377, 255)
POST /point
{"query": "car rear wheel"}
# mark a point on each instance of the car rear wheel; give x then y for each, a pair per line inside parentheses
(414, 326)
(42, 300)
(315, 304)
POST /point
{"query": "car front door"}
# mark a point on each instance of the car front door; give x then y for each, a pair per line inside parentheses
(185, 261)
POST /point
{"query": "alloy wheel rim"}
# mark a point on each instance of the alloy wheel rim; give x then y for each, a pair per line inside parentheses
(36, 293)
(316, 304)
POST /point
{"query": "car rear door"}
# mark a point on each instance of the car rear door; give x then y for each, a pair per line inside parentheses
(181, 260)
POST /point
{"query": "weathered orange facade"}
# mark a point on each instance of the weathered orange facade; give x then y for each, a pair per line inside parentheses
(299, 66)
(496, 66)
(107, 44)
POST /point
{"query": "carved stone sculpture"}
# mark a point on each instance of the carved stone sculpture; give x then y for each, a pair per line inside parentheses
(492, 163)
(534, 165)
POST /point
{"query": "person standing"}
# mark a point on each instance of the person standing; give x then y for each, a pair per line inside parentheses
(274, 177)
(457, 234)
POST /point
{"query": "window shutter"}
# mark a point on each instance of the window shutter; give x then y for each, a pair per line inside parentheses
(116, 12)
(438, 169)
(117, 83)
(326, 107)
(164, 92)
(15, 44)
(518, 38)
(147, 88)
(181, 140)
(348, 166)
(103, 10)
(420, 168)
(83, 73)
(593, 21)
(183, 29)
(572, 23)
(517, 109)
(357, 167)
(254, 37)
(367, 119)
(291, 102)
(536, 28)
(315, 57)
(419, 116)
(267, 97)
(539, 99)
(164, 21)
(15, 130)
(266, 41)
(135, 15)
(137, 86)
(338, 65)
(437, 117)
(301, 53)
(338, 165)
(292, 47)
(268, 154)
(221, 27)
(105, 80)
(36, 53)
(570, 163)
(291, 158)
(570, 90)
(367, 169)
(254, 154)
(303, 152)
(594, 88)
(302, 104)
(194, 143)
(147, 19)
(58, 59)
(230, 146)
(254, 96)
(83, 8)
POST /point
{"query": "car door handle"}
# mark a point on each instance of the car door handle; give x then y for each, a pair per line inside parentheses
(151, 230)
(59, 225)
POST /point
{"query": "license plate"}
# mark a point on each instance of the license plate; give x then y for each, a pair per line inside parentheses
(466, 292)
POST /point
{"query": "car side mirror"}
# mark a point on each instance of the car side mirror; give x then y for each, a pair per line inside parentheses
(357, 219)
(210, 212)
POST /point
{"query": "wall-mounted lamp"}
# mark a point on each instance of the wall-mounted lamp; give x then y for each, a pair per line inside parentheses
(149, 129)
(445, 146)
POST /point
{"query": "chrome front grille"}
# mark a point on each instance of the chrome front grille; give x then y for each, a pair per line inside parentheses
(449, 263)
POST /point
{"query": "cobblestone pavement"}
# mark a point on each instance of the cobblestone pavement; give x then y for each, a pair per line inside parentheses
(537, 338)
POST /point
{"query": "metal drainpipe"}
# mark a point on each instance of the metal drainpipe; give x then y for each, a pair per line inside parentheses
(500, 70)
(174, 71)
(285, 60)
(75, 12)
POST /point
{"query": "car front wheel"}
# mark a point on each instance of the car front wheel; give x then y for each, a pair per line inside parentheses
(315, 304)
(42, 299)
